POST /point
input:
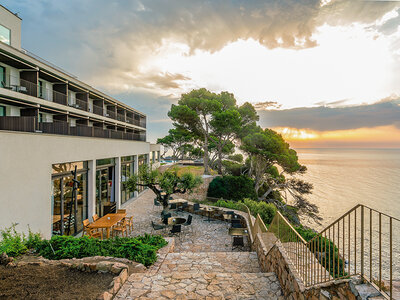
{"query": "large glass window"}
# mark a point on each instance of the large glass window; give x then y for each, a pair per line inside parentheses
(5, 35)
(127, 170)
(2, 111)
(69, 211)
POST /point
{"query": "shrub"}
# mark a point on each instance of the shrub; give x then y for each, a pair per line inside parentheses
(232, 168)
(12, 242)
(232, 187)
(267, 211)
(230, 205)
(142, 249)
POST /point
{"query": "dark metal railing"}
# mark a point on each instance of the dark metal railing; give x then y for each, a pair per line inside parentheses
(30, 124)
(26, 124)
(121, 117)
(361, 242)
(110, 114)
(98, 110)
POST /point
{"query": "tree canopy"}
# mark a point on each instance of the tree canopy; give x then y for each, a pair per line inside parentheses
(163, 184)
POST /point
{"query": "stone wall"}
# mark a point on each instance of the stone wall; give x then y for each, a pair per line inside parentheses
(272, 258)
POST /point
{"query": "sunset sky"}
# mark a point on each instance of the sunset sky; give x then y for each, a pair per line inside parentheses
(323, 73)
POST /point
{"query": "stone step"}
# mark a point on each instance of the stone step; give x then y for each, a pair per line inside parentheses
(206, 262)
(186, 285)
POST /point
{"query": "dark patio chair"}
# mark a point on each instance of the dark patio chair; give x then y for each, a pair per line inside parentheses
(165, 218)
(156, 203)
(183, 206)
(176, 230)
(189, 222)
(196, 207)
(238, 241)
(230, 212)
(173, 206)
(156, 227)
(236, 223)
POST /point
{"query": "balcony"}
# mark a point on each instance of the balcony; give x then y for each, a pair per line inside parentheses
(29, 124)
(79, 104)
(59, 96)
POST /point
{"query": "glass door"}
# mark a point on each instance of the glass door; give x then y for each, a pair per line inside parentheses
(104, 191)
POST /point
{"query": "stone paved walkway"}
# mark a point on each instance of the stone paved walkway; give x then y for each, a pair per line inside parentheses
(202, 265)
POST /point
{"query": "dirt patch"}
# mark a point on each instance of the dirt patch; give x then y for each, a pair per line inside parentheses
(51, 282)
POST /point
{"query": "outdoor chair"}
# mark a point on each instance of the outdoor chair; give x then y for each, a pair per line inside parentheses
(196, 207)
(182, 207)
(230, 212)
(94, 233)
(236, 223)
(176, 230)
(120, 227)
(95, 217)
(156, 203)
(129, 223)
(121, 211)
(189, 222)
(237, 242)
(170, 198)
(85, 227)
(156, 227)
(166, 217)
(173, 206)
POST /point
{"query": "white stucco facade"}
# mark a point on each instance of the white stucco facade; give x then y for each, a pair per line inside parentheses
(26, 161)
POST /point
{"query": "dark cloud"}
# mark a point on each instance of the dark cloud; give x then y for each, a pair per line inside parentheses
(325, 118)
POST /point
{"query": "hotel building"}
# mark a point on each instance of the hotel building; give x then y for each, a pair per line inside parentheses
(50, 123)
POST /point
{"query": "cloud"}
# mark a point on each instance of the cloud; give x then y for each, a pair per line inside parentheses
(324, 118)
(266, 105)
(108, 43)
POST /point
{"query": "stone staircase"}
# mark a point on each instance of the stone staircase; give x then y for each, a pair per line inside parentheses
(204, 275)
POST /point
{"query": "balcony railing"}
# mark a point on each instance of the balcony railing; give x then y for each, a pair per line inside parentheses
(110, 114)
(26, 124)
(29, 124)
(121, 117)
(29, 88)
(79, 104)
(98, 110)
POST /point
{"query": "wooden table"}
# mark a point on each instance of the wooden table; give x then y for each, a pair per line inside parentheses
(209, 210)
(176, 221)
(57, 218)
(107, 222)
(238, 232)
(177, 201)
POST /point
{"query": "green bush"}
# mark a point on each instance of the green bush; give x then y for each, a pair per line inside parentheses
(232, 187)
(12, 242)
(230, 204)
(267, 211)
(142, 249)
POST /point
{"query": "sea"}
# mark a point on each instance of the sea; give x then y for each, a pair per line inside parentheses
(343, 178)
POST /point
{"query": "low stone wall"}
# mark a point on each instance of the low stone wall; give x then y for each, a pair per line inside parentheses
(274, 259)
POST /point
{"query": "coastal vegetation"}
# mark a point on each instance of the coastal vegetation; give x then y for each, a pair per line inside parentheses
(253, 162)
(142, 249)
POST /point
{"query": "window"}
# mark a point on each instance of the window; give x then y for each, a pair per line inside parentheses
(40, 89)
(5, 35)
(69, 211)
(2, 111)
(2, 76)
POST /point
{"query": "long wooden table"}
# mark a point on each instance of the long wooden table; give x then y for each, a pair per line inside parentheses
(107, 221)
(177, 201)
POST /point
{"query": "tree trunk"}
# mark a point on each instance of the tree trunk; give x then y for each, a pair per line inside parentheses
(219, 159)
(205, 158)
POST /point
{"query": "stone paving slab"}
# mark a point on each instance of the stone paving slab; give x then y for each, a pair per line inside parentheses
(224, 262)
(183, 285)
